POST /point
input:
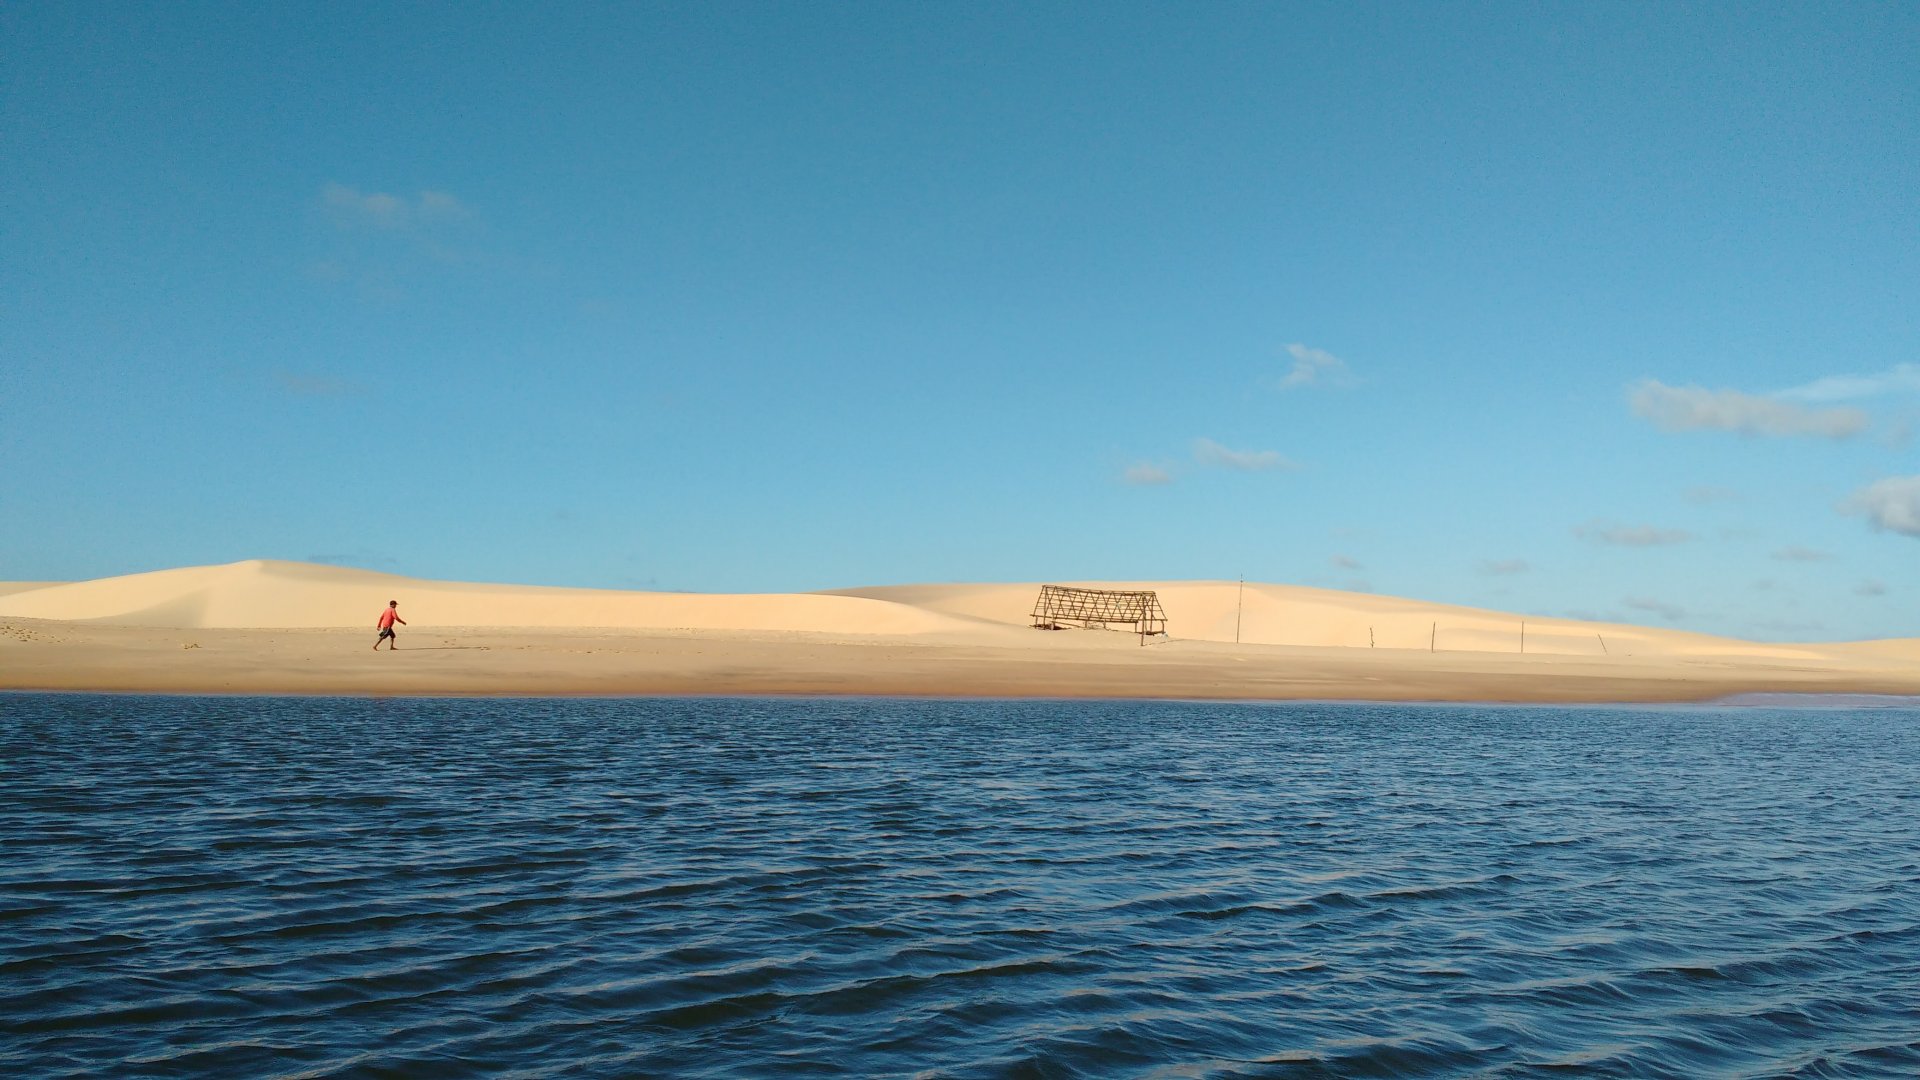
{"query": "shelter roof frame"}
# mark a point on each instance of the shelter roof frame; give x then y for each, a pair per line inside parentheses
(1137, 611)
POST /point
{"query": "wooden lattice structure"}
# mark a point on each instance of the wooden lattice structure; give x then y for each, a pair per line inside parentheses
(1061, 606)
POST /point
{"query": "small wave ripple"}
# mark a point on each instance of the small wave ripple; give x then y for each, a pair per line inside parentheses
(307, 888)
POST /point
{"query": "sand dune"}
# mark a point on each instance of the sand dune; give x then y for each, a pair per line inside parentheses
(265, 594)
(1322, 618)
(263, 626)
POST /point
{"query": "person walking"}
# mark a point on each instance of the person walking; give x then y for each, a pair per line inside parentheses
(387, 619)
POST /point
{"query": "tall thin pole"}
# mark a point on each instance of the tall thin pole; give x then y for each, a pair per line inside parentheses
(1239, 600)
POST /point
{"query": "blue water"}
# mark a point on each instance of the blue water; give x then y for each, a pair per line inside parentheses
(273, 887)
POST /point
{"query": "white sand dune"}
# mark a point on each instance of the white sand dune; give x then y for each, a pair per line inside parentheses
(1298, 615)
(266, 594)
(284, 627)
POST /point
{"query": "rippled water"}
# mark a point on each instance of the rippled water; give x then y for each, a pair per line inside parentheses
(259, 887)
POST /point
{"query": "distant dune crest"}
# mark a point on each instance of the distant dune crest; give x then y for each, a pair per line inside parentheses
(265, 594)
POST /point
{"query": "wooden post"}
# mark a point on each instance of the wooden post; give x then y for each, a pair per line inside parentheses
(1238, 599)
(1369, 637)
(1433, 635)
(1523, 636)
(1603, 646)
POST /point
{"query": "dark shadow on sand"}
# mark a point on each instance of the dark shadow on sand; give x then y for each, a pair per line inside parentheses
(437, 648)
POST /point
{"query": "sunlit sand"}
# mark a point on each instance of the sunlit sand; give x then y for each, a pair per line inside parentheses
(283, 627)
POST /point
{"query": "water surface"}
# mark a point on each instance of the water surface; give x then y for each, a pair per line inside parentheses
(287, 887)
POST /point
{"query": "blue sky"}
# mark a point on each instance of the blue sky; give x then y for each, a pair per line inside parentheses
(1598, 310)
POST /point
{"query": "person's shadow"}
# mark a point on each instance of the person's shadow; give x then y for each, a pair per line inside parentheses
(445, 648)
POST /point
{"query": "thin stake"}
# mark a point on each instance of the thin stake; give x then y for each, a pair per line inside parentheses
(1603, 646)
(1239, 599)
(1433, 635)
(1369, 637)
(1523, 635)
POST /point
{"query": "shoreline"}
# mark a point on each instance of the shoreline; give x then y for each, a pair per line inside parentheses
(47, 656)
(1796, 700)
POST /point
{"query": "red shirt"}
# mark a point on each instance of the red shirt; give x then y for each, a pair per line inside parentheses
(387, 617)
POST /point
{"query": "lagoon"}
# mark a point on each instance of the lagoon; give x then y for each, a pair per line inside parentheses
(734, 887)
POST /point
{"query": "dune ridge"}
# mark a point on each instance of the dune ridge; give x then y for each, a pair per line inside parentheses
(263, 626)
(273, 595)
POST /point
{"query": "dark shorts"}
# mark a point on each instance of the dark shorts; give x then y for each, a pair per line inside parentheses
(385, 633)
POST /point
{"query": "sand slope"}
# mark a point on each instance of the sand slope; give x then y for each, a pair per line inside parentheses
(281, 627)
(265, 594)
(1298, 615)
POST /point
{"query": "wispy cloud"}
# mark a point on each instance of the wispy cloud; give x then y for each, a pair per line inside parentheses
(1669, 612)
(1786, 626)
(1630, 535)
(1499, 567)
(439, 204)
(1892, 504)
(1796, 553)
(1896, 433)
(307, 385)
(1315, 367)
(364, 560)
(1870, 588)
(1695, 408)
(353, 206)
(1146, 475)
(1704, 495)
(1898, 379)
(378, 242)
(1345, 562)
(1208, 452)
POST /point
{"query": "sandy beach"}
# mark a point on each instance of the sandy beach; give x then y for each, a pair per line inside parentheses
(295, 628)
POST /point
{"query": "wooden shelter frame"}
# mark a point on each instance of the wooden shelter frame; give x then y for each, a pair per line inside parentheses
(1139, 612)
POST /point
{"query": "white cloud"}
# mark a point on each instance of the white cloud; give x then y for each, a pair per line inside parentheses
(1669, 612)
(1899, 379)
(1704, 495)
(1345, 562)
(363, 559)
(1786, 626)
(439, 204)
(1146, 475)
(1496, 567)
(376, 207)
(1694, 408)
(1631, 535)
(306, 385)
(1895, 434)
(1315, 367)
(1208, 452)
(390, 211)
(1796, 553)
(1892, 504)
